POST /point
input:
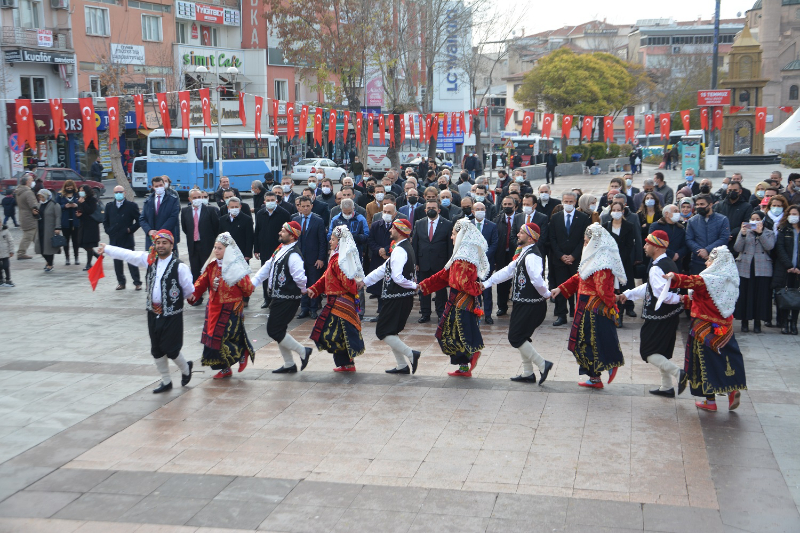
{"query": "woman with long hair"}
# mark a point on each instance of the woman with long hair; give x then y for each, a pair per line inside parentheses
(787, 265)
(89, 227)
(70, 222)
(754, 245)
(649, 211)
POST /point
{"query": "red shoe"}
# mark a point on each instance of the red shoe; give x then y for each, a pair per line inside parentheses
(591, 384)
(733, 400)
(224, 374)
(351, 368)
(612, 374)
(243, 363)
(474, 361)
(706, 406)
(460, 374)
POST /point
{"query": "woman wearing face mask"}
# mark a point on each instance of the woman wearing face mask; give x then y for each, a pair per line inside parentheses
(649, 212)
(90, 228)
(70, 222)
(587, 203)
(49, 224)
(754, 244)
(776, 213)
(622, 232)
(759, 194)
(787, 264)
(713, 361)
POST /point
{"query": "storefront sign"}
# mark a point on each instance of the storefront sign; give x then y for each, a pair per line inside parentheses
(195, 31)
(128, 54)
(230, 113)
(27, 56)
(220, 59)
(209, 14)
(713, 98)
(44, 38)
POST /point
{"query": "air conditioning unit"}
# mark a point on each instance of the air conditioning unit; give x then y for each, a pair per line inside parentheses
(59, 4)
(87, 94)
(8, 3)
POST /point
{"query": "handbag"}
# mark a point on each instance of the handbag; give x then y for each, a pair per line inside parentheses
(787, 298)
(58, 241)
(99, 214)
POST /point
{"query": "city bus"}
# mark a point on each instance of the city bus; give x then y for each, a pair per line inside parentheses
(528, 146)
(199, 160)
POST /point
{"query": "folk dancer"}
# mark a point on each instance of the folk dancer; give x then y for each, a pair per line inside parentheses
(713, 361)
(458, 333)
(593, 337)
(226, 278)
(286, 285)
(529, 293)
(660, 321)
(168, 282)
(338, 328)
(398, 291)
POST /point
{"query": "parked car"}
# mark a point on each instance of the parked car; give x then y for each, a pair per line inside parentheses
(309, 167)
(139, 176)
(53, 179)
(414, 163)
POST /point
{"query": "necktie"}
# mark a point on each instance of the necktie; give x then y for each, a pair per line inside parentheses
(508, 233)
(480, 227)
(430, 232)
(528, 219)
(196, 224)
(305, 221)
(158, 204)
(568, 223)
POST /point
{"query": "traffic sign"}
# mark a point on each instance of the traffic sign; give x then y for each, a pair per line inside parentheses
(13, 143)
(509, 144)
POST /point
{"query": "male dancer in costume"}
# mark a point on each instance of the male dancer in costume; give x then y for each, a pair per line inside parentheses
(529, 293)
(168, 282)
(286, 284)
(399, 288)
(660, 322)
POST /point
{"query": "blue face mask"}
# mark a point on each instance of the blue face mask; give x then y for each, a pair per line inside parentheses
(446, 202)
(689, 178)
(119, 196)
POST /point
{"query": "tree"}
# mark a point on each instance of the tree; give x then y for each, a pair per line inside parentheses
(677, 82)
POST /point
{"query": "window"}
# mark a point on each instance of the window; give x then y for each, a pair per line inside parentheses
(281, 90)
(181, 33)
(151, 28)
(32, 88)
(148, 6)
(29, 14)
(94, 86)
(155, 85)
(793, 92)
(655, 41)
(296, 91)
(97, 21)
(209, 36)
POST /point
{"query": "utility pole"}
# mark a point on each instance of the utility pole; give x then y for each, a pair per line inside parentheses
(714, 64)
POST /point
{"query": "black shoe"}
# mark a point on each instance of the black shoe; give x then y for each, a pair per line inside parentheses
(303, 314)
(313, 314)
(669, 393)
(373, 319)
(87, 267)
(745, 327)
(265, 305)
(631, 313)
(501, 312)
(67, 263)
(304, 360)
(560, 321)
(424, 319)
(785, 330)
(683, 380)
(547, 366)
(415, 355)
(793, 329)
(163, 388)
(756, 328)
(186, 378)
(524, 379)
(769, 324)
(404, 370)
(489, 319)
(283, 370)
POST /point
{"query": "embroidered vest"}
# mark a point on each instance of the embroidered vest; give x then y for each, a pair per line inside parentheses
(282, 284)
(666, 310)
(171, 292)
(522, 290)
(392, 289)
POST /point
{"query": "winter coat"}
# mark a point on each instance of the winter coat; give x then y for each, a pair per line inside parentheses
(68, 217)
(784, 248)
(6, 244)
(737, 213)
(9, 206)
(26, 200)
(50, 217)
(90, 228)
(753, 247)
(706, 233)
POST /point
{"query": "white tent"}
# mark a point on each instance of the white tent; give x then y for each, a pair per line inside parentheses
(777, 140)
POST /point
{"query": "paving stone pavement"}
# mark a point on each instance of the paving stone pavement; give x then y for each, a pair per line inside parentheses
(85, 446)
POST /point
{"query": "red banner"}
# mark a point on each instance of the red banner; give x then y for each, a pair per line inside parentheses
(547, 124)
(318, 126)
(370, 128)
(275, 105)
(664, 121)
(629, 123)
(112, 106)
(242, 114)
(57, 112)
(381, 129)
(138, 102)
(259, 108)
(462, 123)
(453, 123)
(205, 104)
(686, 119)
(346, 127)
(714, 98)
(486, 117)
(164, 110)
(787, 109)
(332, 125)
(359, 124)
(471, 120)
(390, 125)
(608, 129)
(527, 123)
(90, 126)
(509, 113)
(434, 130)
(649, 124)
(761, 119)
(444, 124)
(718, 117)
(566, 125)
(736, 108)
(26, 131)
(290, 120)
(183, 100)
(586, 127)
(402, 127)
(704, 118)
(303, 121)
(411, 119)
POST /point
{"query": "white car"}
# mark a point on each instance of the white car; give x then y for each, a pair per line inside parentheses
(310, 167)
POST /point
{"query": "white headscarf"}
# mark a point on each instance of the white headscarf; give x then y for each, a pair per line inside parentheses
(602, 253)
(470, 246)
(233, 267)
(722, 280)
(349, 260)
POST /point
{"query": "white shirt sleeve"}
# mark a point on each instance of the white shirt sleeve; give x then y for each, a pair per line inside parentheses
(657, 282)
(533, 263)
(376, 275)
(185, 279)
(261, 275)
(398, 262)
(501, 275)
(298, 271)
(137, 259)
(637, 293)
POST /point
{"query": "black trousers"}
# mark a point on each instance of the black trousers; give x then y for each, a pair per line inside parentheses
(312, 304)
(166, 334)
(196, 260)
(504, 289)
(562, 273)
(5, 267)
(71, 234)
(550, 173)
(119, 268)
(425, 301)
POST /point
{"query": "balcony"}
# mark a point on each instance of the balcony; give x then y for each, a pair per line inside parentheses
(62, 39)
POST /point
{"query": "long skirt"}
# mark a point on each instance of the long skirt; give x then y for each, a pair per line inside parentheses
(755, 298)
(338, 335)
(658, 336)
(228, 343)
(593, 340)
(710, 372)
(281, 312)
(458, 333)
(525, 318)
(393, 316)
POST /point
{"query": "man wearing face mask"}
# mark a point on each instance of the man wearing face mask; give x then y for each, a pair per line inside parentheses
(792, 192)
(705, 231)
(282, 203)
(566, 229)
(522, 184)
(531, 215)
(546, 203)
(348, 182)
(326, 193)
(670, 224)
(489, 231)
(481, 194)
(379, 242)
(288, 194)
(408, 210)
(663, 189)
(269, 222)
(736, 209)
(507, 229)
(320, 209)
(120, 223)
(348, 192)
(200, 224)
(240, 226)
(160, 210)
(630, 190)
(375, 205)
(432, 248)
(244, 208)
(446, 200)
(736, 177)
(314, 248)
(431, 194)
(690, 181)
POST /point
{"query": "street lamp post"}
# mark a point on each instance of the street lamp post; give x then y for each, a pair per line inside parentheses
(232, 72)
(490, 106)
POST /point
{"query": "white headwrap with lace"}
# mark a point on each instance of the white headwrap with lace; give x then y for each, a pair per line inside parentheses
(602, 253)
(349, 260)
(470, 246)
(722, 280)
(233, 265)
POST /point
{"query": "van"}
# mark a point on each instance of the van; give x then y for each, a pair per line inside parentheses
(139, 176)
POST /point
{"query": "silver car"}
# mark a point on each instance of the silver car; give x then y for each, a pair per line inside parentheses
(310, 167)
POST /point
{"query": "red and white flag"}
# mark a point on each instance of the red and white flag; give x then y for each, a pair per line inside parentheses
(509, 112)
(381, 129)
(527, 123)
(608, 129)
(112, 106)
(242, 113)
(547, 124)
(332, 125)
(761, 119)
(402, 119)
(649, 124)
(390, 125)
(289, 121)
(346, 127)
(787, 109)
(566, 125)
(57, 112)
(664, 121)
(586, 128)
(259, 108)
(183, 100)
(318, 126)
(205, 105)
(370, 128)
(686, 119)
(26, 130)
(303, 121)
(138, 102)
(718, 118)
(629, 123)
(359, 124)
(703, 118)
(90, 126)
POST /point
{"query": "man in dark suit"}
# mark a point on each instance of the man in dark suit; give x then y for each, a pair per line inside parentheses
(244, 208)
(288, 193)
(121, 222)
(281, 199)
(160, 211)
(240, 226)
(379, 243)
(320, 209)
(408, 211)
(529, 214)
(314, 247)
(550, 163)
(431, 194)
(566, 231)
(546, 203)
(482, 195)
(489, 232)
(224, 185)
(200, 224)
(507, 230)
(269, 222)
(433, 246)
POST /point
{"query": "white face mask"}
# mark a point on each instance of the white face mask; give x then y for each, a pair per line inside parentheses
(649, 202)
(346, 216)
(527, 209)
(197, 202)
(676, 217)
(271, 205)
(569, 208)
(628, 182)
(519, 179)
(761, 194)
(379, 196)
(793, 219)
(287, 188)
(326, 190)
(616, 215)
(776, 211)
(545, 197)
(313, 185)
(159, 191)
(593, 207)
(234, 211)
(480, 215)
(480, 198)
(387, 217)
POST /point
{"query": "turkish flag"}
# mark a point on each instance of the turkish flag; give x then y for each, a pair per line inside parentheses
(318, 126)
(649, 124)
(303, 122)
(435, 126)
(444, 124)
(242, 114)
(586, 127)
(566, 125)
(205, 104)
(736, 108)
(509, 112)
(26, 130)
(471, 120)
(686, 119)
(761, 119)
(289, 121)
(527, 123)
(486, 117)
(332, 125)
(259, 108)
(162, 107)
(453, 123)
(402, 118)
(391, 129)
(381, 129)
(664, 121)
(138, 102)
(183, 99)
(96, 273)
(461, 123)
(718, 116)
(275, 104)
(57, 111)
(346, 127)
(359, 124)
(90, 126)
(370, 128)
(608, 129)
(411, 119)
(629, 121)
(787, 109)
(704, 118)
(547, 124)
(427, 130)
(112, 106)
